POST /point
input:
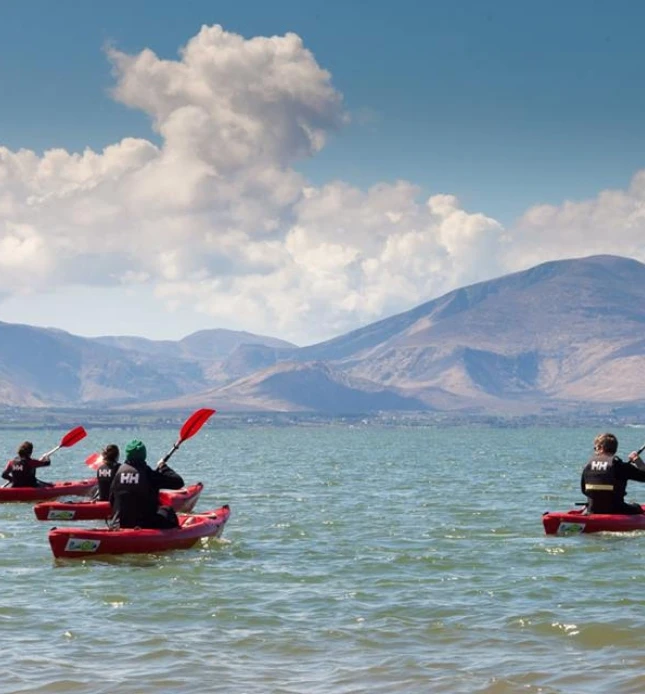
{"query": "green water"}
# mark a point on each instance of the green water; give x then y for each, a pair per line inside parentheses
(357, 559)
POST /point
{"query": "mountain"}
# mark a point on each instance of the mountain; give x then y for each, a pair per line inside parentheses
(301, 387)
(219, 354)
(47, 367)
(565, 336)
(204, 345)
(563, 331)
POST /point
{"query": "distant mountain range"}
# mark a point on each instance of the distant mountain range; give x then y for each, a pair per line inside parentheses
(564, 336)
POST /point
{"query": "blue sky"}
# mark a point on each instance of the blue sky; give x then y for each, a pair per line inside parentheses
(505, 105)
(543, 101)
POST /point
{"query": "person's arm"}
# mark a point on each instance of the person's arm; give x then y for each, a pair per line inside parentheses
(632, 472)
(111, 494)
(636, 461)
(41, 462)
(96, 494)
(165, 477)
(582, 482)
(6, 473)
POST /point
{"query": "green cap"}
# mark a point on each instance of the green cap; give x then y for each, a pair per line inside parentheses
(135, 450)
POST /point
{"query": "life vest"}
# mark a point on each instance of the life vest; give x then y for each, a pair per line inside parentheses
(22, 473)
(604, 487)
(134, 500)
(104, 476)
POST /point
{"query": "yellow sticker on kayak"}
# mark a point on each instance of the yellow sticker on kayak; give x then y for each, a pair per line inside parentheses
(570, 528)
(59, 514)
(76, 545)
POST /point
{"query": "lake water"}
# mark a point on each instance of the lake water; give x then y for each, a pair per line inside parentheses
(357, 559)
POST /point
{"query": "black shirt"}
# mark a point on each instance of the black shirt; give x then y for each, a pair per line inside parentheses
(604, 482)
(134, 493)
(104, 476)
(21, 472)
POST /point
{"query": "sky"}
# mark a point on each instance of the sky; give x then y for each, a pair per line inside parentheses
(302, 169)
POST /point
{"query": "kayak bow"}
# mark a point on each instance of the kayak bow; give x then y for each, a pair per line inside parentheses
(577, 521)
(71, 488)
(79, 543)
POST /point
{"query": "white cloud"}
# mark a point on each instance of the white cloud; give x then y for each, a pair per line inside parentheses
(234, 102)
(613, 222)
(217, 218)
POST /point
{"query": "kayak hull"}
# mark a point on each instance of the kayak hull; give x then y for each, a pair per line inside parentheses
(73, 543)
(181, 500)
(71, 488)
(577, 521)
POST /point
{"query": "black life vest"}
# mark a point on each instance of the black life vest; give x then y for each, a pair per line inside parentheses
(134, 500)
(23, 474)
(104, 476)
(605, 488)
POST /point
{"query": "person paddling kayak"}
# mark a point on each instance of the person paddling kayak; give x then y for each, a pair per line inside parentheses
(106, 471)
(134, 494)
(604, 478)
(21, 471)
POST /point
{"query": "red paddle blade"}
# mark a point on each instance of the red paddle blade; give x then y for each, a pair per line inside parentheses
(94, 460)
(194, 423)
(72, 437)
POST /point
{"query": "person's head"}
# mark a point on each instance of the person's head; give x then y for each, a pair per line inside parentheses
(25, 449)
(135, 451)
(605, 443)
(111, 452)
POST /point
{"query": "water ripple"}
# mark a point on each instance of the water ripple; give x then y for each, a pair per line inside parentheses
(356, 560)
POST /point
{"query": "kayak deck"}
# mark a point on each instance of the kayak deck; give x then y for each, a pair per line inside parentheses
(72, 488)
(180, 499)
(577, 521)
(78, 543)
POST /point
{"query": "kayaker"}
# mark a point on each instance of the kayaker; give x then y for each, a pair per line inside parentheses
(604, 478)
(105, 473)
(21, 471)
(134, 494)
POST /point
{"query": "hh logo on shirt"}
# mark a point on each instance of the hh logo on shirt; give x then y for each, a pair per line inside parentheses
(104, 472)
(129, 478)
(599, 465)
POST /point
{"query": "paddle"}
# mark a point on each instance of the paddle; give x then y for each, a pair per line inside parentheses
(71, 438)
(94, 460)
(191, 426)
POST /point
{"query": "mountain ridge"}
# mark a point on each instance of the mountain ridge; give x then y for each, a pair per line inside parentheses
(564, 334)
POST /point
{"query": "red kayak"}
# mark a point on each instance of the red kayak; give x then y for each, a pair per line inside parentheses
(577, 521)
(73, 488)
(180, 499)
(78, 543)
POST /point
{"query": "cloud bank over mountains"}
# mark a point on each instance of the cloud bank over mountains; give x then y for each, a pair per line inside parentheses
(218, 217)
